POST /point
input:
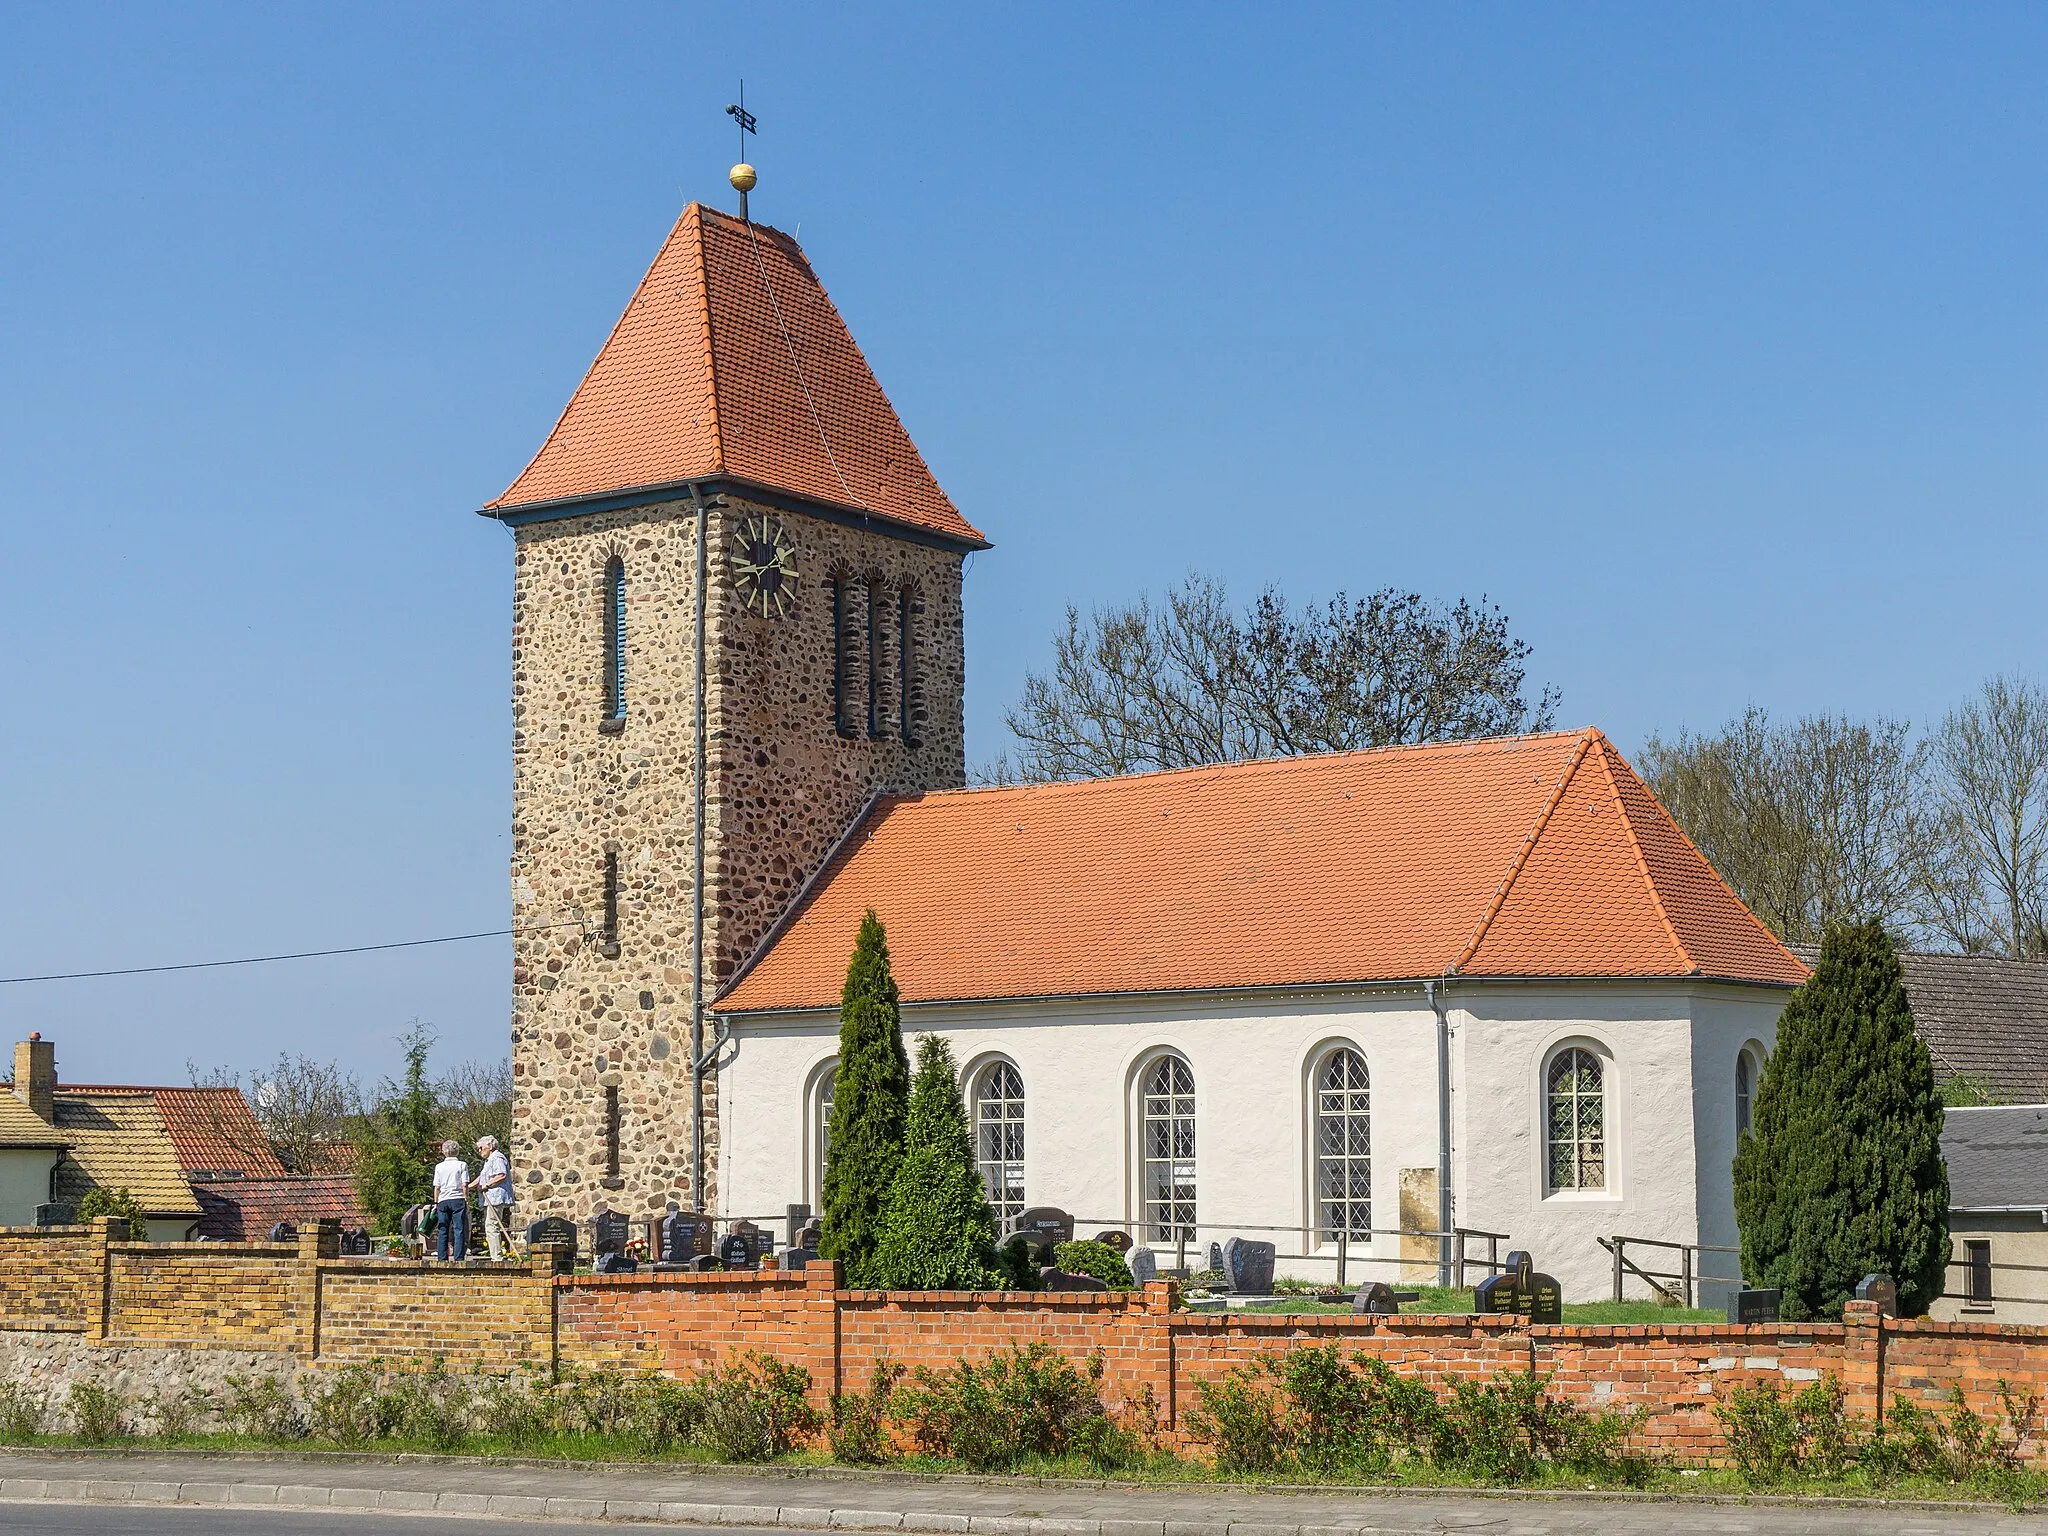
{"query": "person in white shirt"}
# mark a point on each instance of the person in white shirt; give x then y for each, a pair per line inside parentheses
(451, 1203)
(495, 1180)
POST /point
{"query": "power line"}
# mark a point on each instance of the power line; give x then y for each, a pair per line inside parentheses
(304, 954)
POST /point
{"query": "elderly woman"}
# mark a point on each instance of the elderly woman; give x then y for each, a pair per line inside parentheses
(495, 1180)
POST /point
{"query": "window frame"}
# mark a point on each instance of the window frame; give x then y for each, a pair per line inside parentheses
(1169, 1228)
(1978, 1289)
(1603, 1061)
(817, 1127)
(1325, 1233)
(977, 1076)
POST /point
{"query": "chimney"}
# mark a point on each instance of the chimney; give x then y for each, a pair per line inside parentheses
(35, 1075)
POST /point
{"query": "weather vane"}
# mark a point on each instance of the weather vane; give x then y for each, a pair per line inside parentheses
(743, 178)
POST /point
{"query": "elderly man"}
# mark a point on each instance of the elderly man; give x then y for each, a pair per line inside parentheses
(451, 1203)
(495, 1180)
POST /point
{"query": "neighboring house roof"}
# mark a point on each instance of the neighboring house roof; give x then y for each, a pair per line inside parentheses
(21, 1128)
(1539, 856)
(118, 1140)
(1984, 1019)
(215, 1131)
(244, 1210)
(731, 360)
(1997, 1157)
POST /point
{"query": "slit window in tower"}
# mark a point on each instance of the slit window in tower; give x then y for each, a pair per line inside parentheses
(904, 650)
(611, 904)
(839, 654)
(874, 617)
(614, 644)
(611, 1132)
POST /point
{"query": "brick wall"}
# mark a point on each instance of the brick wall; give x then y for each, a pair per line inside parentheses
(241, 1296)
(321, 1310)
(47, 1278)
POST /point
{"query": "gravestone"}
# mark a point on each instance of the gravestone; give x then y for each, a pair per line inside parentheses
(1216, 1256)
(1881, 1289)
(355, 1243)
(1120, 1241)
(557, 1232)
(1496, 1293)
(1053, 1278)
(808, 1239)
(609, 1233)
(794, 1218)
(1520, 1266)
(1144, 1265)
(794, 1259)
(736, 1252)
(284, 1232)
(758, 1242)
(615, 1262)
(1248, 1264)
(1754, 1306)
(1520, 1288)
(680, 1236)
(1375, 1298)
(707, 1263)
(1046, 1226)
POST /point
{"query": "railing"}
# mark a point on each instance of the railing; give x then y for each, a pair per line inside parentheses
(1687, 1275)
(1186, 1235)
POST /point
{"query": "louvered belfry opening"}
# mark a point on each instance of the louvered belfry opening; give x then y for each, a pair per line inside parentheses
(615, 642)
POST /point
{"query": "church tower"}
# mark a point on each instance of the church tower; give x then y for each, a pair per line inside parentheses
(736, 618)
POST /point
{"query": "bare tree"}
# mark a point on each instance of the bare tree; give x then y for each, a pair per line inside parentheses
(1188, 682)
(1988, 884)
(474, 1099)
(1813, 824)
(303, 1109)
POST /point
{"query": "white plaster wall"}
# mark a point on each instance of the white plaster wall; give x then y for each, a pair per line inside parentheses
(2016, 1237)
(1252, 1057)
(1724, 1025)
(24, 1184)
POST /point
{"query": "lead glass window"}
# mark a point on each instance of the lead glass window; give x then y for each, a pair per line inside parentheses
(1745, 1091)
(821, 1128)
(1343, 1153)
(1168, 1111)
(999, 1140)
(1578, 1120)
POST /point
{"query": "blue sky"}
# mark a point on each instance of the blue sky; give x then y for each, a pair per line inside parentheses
(1711, 342)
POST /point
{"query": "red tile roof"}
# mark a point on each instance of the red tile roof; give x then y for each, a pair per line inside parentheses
(1541, 856)
(215, 1131)
(732, 360)
(244, 1210)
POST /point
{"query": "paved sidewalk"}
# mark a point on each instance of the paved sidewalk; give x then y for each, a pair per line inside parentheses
(814, 1500)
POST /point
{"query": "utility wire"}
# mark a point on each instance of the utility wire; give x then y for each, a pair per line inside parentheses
(304, 954)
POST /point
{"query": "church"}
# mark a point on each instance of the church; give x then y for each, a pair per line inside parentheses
(1316, 1000)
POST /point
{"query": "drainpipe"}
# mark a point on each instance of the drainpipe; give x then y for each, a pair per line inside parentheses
(1443, 1131)
(697, 873)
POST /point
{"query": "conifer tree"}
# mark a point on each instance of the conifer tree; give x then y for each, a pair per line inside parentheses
(1840, 1173)
(864, 1139)
(940, 1233)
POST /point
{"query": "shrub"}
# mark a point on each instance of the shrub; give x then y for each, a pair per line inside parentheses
(516, 1409)
(1840, 1173)
(1098, 1259)
(1770, 1437)
(175, 1412)
(262, 1408)
(95, 1410)
(1241, 1421)
(114, 1202)
(662, 1414)
(348, 1407)
(865, 1145)
(430, 1406)
(1021, 1402)
(23, 1412)
(938, 1232)
(756, 1408)
(860, 1420)
(1019, 1265)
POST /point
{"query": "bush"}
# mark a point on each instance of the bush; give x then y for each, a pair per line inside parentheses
(23, 1412)
(348, 1407)
(1025, 1401)
(860, 1420)
(1097, 1259)
(1770, 1437)
(175, 1412)
(429, 1407)
(114, 1202)
(1018, 1264)
(869, 1097)
(756, 1409)
(262, 1408)
(1242, 1424)
(517, 1410)
(938, 1232)
(95, 1410)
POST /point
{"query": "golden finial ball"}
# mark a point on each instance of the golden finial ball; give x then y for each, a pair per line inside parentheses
(743, 177)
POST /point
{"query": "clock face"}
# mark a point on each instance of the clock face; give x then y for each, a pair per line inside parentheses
(764, 567)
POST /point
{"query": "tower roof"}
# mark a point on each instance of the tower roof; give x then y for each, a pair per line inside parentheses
(731, 360)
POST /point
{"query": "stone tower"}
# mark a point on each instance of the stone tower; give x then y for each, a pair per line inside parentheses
(736, 618)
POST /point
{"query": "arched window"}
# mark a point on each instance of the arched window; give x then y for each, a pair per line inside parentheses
(1576, 1104)
(1167, 1149)
(615, 643)
(1745, 1088)
(1343, 1147)
(821, 1131)
(999, 1140)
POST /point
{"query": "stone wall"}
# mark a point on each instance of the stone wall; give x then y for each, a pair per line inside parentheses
(782, 785)
(295, 1311)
